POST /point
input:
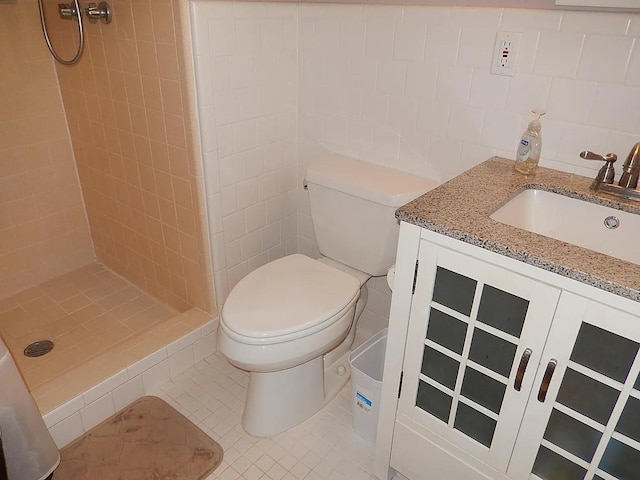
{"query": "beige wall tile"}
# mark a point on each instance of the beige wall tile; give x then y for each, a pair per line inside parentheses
(126, 105)
(41, 212)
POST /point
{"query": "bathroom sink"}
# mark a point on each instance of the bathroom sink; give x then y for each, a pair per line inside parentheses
(596, 227)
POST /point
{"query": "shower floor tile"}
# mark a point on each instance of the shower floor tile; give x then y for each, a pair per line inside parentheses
(84, 312)
(211, 394)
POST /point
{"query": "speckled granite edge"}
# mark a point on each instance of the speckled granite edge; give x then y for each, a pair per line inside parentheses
(461, 209)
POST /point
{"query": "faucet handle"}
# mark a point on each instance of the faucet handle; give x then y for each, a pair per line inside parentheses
(609, 157)
(607, 172)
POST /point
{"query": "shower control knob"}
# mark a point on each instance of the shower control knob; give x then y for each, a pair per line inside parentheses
(99, 11)
(341, 370)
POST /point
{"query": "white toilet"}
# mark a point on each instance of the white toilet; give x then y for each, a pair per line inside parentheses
(291, 322)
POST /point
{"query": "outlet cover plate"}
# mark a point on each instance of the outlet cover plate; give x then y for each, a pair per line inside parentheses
(505, 53)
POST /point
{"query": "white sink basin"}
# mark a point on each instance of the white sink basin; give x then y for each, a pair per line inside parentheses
(574, 221)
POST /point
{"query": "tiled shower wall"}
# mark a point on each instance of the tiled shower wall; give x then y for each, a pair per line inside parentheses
(409, 87)
(246, 68)
(127, 105)
(43, 226)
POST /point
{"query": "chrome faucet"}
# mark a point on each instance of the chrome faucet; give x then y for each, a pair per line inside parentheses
(631, 168)
(628, 182)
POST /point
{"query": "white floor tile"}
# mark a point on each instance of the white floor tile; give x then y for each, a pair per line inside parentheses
(211, 393)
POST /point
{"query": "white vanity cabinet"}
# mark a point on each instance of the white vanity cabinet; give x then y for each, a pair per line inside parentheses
(507, 371)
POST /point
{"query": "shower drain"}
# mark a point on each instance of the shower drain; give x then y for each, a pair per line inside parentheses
(39, 348)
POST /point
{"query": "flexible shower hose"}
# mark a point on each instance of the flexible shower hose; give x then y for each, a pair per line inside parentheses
(43, 23)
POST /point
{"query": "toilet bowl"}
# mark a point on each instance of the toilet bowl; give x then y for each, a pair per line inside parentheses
(291, 325)
(292, 322)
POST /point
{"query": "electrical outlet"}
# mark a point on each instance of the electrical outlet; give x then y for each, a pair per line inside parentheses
(505, 53)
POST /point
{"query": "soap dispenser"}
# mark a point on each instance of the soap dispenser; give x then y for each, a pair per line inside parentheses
(528, 154)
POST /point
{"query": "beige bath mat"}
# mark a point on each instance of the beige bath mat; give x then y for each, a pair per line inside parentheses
(147, 440)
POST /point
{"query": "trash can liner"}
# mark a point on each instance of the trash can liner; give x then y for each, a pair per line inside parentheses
(29, 451)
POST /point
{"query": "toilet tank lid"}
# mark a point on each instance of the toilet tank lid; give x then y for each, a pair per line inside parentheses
(375, 183)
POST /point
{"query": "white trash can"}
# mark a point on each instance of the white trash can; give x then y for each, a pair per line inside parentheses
(367, 366)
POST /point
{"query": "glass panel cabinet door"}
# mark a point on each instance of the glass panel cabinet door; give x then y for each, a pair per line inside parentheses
(475, 339)
(583, 417)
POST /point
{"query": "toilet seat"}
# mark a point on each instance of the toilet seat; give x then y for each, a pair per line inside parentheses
(292, 297)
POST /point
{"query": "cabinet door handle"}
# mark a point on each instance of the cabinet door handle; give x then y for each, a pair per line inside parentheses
(546, 380)
(522, 368)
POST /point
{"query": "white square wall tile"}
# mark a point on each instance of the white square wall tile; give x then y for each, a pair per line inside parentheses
(247, 35)
(147, 362)
(67, 430)
(156, 375)
(63, 411)
(441, 46)
(488, 18)
(604, 58)
(105, 386)
(429, 16)
(211, 173)
(616, 107)
(570, 100)
(527, 92)
(476, 47)
(633, 70)
(465, 123)
(379, 39)
(595, 22)
(234, 226)
(577, 138)
(375, 107)
(128, 393)
(391, 77)
(488, 91)
(352, 37)
(205, 347)
(227, 107)
(97, 411)
(403, 114)
(454, 84)
(219, 74)
(558, 54)
(409, 41)
(433, 118)
(421, 80)
(230, 170)
(521, 20)
(180, 361)
(222, 37)
(188, 339)
(501, 130)
(242, 71)
(232, 253)
(391, 13)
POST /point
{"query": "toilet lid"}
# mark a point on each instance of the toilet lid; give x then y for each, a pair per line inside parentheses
(292, 294)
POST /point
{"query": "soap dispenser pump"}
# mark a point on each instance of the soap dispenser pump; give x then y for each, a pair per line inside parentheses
(528, 153)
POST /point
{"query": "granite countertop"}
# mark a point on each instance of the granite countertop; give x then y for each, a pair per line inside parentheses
(461, 208)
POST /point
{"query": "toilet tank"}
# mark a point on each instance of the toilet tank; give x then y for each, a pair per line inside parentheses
(353, 206)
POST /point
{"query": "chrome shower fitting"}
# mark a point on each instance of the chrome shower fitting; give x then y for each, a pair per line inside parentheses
(73, 11)
(100, 11)
(67, 11)
(95, 11)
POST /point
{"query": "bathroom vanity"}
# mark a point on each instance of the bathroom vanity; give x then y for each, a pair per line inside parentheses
(510, 355)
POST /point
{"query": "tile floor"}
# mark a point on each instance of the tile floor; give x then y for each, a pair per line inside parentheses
(212, 393)
(84, 312)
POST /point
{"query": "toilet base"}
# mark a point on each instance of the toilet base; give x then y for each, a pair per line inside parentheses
(278, 401)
